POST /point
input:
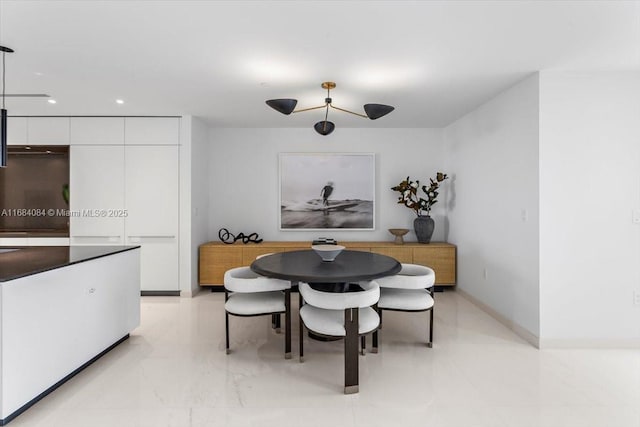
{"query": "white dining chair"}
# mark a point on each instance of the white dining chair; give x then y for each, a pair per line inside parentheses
(248, 294)
(345, 315)
(411, 290)
(275, 318)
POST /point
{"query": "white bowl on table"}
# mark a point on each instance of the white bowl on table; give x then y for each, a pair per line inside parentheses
(327, 252)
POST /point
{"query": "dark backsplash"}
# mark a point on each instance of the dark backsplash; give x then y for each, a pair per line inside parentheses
(31, 190)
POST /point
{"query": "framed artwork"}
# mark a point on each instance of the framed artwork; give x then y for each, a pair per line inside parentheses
(327, 191)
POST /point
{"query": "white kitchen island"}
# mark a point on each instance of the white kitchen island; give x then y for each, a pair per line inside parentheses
(61, 309)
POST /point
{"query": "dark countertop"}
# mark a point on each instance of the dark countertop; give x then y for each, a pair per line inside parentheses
(17, 262)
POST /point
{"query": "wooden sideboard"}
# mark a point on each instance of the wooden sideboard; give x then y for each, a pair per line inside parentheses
(218, 257)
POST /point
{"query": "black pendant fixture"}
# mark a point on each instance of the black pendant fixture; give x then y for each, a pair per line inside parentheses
(3, 114)
(285, 106)
(325, 127)
(375, 111)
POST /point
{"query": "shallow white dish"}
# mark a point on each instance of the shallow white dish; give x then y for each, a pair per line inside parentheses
(328, 252)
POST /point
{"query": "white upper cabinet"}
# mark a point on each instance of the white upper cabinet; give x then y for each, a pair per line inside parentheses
(97, 130)
(17, 131)
(48, 130)
(152, 130)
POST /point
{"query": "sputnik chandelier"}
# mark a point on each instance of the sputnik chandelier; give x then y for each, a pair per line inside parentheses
(325, 127)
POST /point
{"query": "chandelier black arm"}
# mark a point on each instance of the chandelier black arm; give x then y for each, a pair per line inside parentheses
(309, 109)
(347, 111)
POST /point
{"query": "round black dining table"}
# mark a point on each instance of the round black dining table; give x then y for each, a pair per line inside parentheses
(307, 266)
(334, 276)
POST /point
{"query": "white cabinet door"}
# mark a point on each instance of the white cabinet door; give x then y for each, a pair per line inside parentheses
(151, 198)
(97, 130)
(113, 303)
(96, 194)
(152, 130)
(151, 192)
(48, 130)
(158, 263)
(42, 322)
(17, 131)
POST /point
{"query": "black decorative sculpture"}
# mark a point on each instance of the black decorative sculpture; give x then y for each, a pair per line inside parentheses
(228, 238)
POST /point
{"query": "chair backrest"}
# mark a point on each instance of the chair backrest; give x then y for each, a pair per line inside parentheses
(243, 279)
(412, 276)
(340, 301)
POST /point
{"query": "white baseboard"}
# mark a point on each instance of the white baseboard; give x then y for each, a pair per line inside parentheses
(190, 294)
(523, 333)
(548, 343)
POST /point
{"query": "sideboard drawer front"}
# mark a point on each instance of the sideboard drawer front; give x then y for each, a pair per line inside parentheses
(441, 260)
(215, 260)
(402, 254)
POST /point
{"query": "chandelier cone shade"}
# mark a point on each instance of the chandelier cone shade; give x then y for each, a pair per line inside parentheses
(375, 111)
(285, 106)
(325, 127)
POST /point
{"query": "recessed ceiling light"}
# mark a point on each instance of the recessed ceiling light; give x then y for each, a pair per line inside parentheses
(27, 148)
(51, 101)
(119, 101)
(49, 152)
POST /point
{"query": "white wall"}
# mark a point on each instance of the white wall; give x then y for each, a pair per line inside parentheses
(194, 199)
(589, 185)
(492, 155)
(244, 180)
(199, 193)
(185, 207)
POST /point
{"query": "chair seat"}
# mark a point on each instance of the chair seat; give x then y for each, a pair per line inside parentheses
(255, 303)
(331, 322)
(405, 299)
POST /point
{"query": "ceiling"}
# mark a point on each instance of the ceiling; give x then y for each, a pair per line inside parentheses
(220, 60)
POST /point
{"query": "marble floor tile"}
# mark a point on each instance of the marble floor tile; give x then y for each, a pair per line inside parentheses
(173, 371)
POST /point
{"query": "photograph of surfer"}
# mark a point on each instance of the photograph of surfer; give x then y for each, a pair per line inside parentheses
(326, 192)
